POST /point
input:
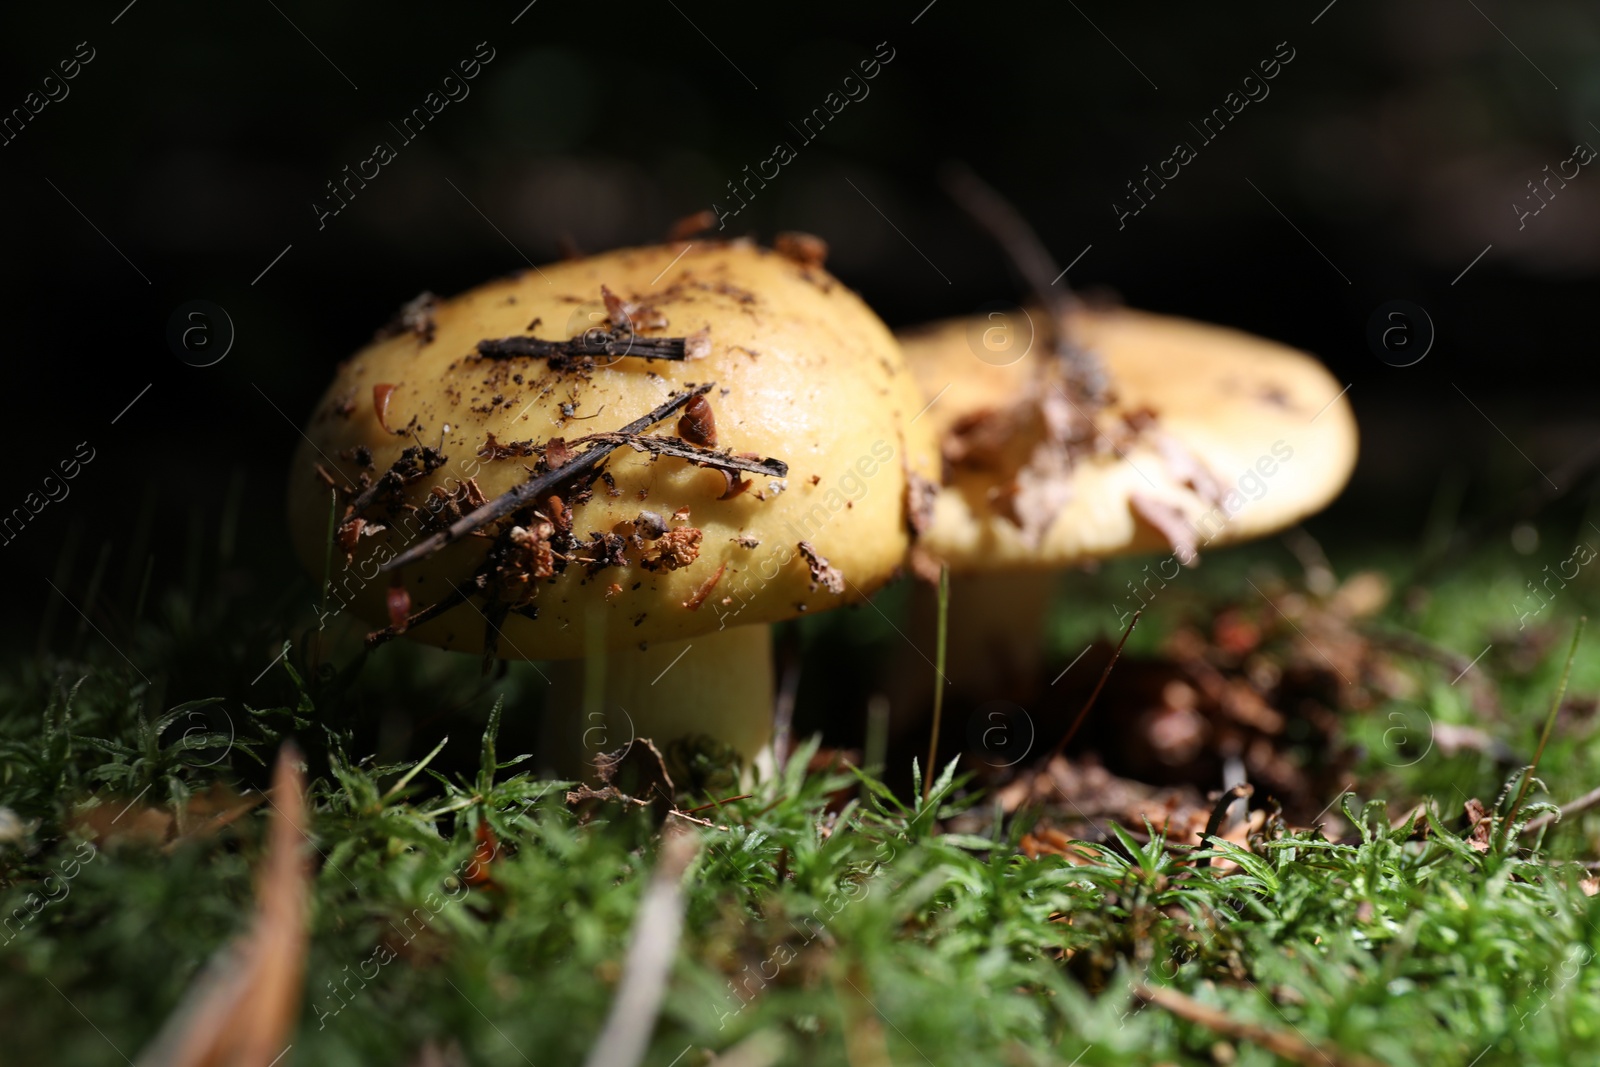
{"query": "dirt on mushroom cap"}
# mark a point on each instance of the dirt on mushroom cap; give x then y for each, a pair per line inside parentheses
(804, 373)
(1200, 414)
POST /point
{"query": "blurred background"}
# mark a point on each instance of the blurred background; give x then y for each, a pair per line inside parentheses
(1390, 160)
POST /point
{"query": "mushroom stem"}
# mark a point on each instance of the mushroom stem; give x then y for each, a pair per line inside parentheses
(996, 633)
(719, 685)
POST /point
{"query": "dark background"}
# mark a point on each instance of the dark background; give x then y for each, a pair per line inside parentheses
(196, 140)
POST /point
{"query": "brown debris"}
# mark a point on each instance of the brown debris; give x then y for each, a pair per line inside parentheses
(1480, 825)
(1169, 522)
(1038, 493)
(633, 775)
(921, 497)
(399, 604)
(415, 316)
(534, 549)
(700, 594)
(735, 485)
(674, 549)
(698, 424)
(556, 453)
(805, 249)
(608, 550)
(690, 225)
(380, 403)
(823, 573)
(492, 449)
(558, 514)
(1188, 469)
(925, 566)
(413, 464)
(698, 344)
(629, 316)
(979, 440)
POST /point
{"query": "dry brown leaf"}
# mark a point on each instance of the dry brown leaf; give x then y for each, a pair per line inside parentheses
(242, 1009)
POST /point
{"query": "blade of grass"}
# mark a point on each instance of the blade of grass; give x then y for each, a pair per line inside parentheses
(1061, 745)
(327, 552)
(939, 682)
(415, 769)
(1544, 736)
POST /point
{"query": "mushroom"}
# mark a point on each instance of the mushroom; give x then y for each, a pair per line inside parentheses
(1207, 436)
(655, 451)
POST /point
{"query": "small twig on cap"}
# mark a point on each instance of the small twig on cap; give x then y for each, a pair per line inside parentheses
(534, 488)
(1037, 267)
(662, 445)
(589, 343)
(1012, 233)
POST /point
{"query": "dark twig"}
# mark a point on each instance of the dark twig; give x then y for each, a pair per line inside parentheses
(1032, 260)
(1220, 812)
(432, 611)
(1290, 1046)
(1101, 684)
(662, 445)
(1017, 239)
(588, 343)
(533, 488)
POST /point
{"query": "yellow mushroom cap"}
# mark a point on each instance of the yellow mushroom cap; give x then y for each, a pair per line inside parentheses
(1268, 423)
(804, 372)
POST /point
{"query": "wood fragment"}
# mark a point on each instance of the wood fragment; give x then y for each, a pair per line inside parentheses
(541, 485)
(1290, 1046)
(432, 611)
(612, 344)
(690, 225)
(823, 573)
(662, 445)
(1583, 803)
